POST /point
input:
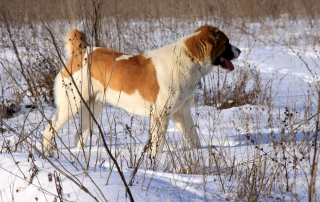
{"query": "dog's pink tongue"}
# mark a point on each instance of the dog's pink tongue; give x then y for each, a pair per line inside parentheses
(228, 63)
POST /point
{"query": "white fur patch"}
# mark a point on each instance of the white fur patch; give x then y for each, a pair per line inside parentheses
(124, 57)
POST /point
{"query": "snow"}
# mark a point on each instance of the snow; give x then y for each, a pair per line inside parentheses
(222, 131)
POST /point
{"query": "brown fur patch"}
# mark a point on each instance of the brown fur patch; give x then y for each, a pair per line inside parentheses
(126, 75)
(210, 42)
(76, 42)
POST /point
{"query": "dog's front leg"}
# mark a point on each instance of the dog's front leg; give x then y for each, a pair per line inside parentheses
(158, 130)
(184, 122)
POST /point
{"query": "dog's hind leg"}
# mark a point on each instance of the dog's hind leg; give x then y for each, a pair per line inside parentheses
(184, 122)
(64, 112)
(86, 122)
(68, 102)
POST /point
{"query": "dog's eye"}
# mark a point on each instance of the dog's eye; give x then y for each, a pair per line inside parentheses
(215, 32)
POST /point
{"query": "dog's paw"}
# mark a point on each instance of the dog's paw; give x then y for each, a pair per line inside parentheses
(79, 145)
(47, 145)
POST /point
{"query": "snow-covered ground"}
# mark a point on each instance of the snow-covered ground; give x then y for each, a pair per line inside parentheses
(236, 136)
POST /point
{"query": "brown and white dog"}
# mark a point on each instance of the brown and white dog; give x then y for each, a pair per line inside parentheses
(160, 83)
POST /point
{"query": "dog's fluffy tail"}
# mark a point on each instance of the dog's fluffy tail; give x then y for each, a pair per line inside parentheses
(75, 43)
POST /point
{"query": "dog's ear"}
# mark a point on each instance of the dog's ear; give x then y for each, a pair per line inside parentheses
(210, 32)
(215, 34)
(199, 46)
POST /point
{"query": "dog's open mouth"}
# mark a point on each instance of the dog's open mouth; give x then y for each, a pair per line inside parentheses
(226, 64)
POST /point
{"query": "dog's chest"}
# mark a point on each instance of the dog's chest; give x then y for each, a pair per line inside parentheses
(187, 87)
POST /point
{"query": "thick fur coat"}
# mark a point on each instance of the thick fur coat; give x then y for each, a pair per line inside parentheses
(160, 83)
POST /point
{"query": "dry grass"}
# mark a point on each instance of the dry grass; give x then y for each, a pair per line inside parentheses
(143, 9)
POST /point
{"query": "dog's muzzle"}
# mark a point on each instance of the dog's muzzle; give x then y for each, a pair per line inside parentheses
(236, 52)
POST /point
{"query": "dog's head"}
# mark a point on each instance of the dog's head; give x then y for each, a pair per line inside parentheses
(210, 44)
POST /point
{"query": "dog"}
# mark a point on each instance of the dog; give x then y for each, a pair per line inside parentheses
(159, 83)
